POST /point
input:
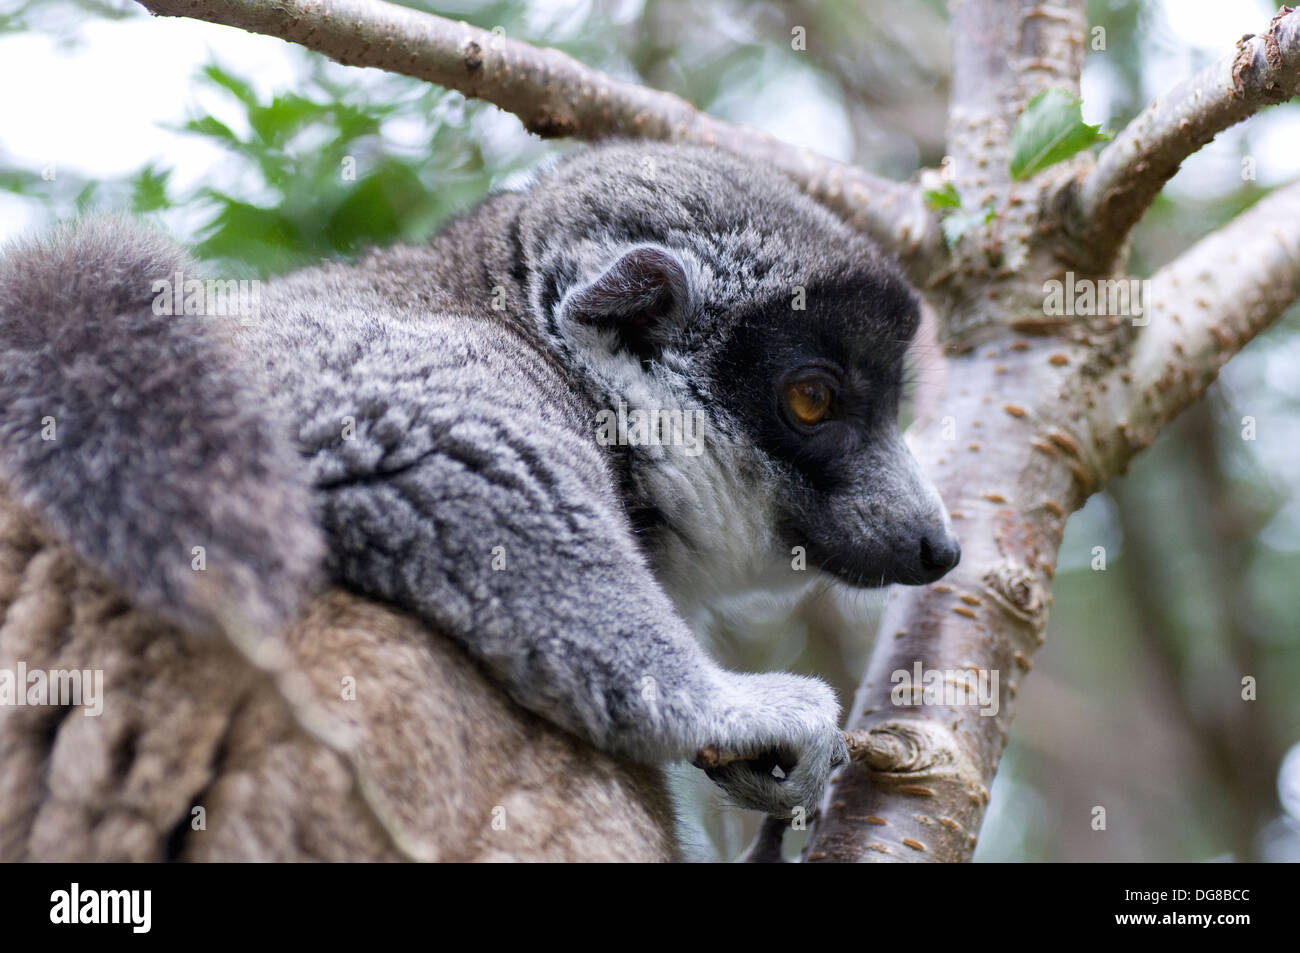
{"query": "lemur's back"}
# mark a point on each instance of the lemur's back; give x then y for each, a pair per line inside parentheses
(399, 320)
(433, 428)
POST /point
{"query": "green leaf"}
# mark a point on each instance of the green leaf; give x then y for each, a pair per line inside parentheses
(353, 123)
(212, 128)
(20, 182)
(149, 190)
(277, 122)
(945, 197)
(374, 210)
(261, 238)
(232, 83)
(1050, 130)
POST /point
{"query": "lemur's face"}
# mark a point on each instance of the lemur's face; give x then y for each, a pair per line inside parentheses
(713, 285)
(819, 391)
(803, 408)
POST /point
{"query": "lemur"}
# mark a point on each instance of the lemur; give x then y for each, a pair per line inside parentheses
(431, 426)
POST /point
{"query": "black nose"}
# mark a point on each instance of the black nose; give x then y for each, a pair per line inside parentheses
(939, 553)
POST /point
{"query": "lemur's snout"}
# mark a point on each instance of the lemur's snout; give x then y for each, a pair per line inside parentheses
(888, 527)
(940, 552)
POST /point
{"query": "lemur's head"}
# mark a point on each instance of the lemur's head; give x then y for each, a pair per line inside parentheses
(687, 280)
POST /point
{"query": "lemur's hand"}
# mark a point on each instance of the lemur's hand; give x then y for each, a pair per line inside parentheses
(777, 739)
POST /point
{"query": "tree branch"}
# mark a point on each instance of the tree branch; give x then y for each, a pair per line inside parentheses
(1004, 53)
(1132, 170)
(919, 780)
(555, 95)
(1206, 306)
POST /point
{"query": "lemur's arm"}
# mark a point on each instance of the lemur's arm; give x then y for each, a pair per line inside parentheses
(141, 439)
(456, 497)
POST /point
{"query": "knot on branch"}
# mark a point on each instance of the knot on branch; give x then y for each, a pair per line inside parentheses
(1244, 68)
(918, 758)
(1270, 38)
(473, 56)
(894, 747)
(1017, 591)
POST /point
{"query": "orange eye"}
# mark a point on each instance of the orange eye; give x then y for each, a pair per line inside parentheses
(808, 399)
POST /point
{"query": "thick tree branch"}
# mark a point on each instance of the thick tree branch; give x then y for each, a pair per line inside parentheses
(1206, 306)
(1132, 170)
(555, 95)
(1001, 451)
(1004, 53)
(921, 773)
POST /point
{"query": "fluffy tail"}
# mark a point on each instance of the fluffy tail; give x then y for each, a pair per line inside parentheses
(142, 440)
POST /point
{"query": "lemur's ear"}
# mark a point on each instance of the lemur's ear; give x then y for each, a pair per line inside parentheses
(639, 296)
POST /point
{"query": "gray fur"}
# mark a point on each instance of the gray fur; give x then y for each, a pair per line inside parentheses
(161, 443)
(444, 403)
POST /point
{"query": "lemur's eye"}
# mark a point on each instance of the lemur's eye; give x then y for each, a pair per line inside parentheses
(809, 399)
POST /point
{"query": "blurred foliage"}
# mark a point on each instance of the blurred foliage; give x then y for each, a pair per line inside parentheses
(317, 177)
(1134, 703)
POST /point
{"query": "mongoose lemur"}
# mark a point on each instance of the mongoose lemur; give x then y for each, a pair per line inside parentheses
(654, 376)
